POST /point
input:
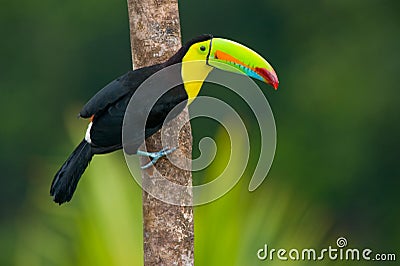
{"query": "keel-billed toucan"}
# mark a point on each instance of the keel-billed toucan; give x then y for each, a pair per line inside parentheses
(107, 108)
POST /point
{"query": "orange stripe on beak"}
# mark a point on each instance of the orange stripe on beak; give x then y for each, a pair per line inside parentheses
(269, 76)
(224, 56)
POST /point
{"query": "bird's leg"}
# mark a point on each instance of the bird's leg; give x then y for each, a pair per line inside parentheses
(155, 155)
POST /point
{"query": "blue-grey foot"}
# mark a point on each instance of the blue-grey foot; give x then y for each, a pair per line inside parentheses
(154, 155)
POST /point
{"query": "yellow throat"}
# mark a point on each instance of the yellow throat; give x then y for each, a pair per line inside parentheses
(194, 70)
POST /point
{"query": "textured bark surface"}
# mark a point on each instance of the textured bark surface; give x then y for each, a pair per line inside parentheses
(168, 230)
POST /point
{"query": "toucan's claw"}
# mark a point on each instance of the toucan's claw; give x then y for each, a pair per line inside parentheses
(155, 155)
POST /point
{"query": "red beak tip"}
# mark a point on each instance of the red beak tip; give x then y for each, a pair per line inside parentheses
(269, 76)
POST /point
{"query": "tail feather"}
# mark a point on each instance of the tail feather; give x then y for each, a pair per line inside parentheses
(67, 178)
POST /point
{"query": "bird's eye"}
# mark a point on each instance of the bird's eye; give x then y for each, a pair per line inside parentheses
(202, 48)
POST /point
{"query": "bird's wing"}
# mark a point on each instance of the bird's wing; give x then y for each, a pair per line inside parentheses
(116, 89)
(106, 130)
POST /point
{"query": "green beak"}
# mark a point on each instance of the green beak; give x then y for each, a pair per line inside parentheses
(234, 57)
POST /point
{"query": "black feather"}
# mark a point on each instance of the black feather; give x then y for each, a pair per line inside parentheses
(67, 178)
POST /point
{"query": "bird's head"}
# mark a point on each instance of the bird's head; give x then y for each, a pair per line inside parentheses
(226, 55)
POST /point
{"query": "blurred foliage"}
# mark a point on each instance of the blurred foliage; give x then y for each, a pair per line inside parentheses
(336, 167)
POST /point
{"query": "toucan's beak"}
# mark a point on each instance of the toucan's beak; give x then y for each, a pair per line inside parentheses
(234, 57)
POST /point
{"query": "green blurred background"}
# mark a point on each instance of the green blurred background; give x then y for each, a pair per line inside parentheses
(336, 171)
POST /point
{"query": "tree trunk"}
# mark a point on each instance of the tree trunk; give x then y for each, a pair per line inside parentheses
(168, 230)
